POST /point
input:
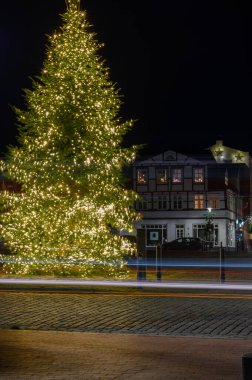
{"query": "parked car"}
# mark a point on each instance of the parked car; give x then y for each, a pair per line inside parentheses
(183, 243)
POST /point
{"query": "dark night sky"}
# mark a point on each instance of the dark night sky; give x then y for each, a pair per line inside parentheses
(184, 67)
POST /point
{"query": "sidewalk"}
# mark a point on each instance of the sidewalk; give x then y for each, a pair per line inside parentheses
(75, 355)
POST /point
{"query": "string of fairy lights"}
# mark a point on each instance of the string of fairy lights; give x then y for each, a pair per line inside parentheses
(71, 117)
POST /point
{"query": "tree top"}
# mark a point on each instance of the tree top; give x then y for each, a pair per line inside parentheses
(73, 4)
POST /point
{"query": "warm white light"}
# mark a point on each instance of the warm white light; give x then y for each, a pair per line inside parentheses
(69, 163)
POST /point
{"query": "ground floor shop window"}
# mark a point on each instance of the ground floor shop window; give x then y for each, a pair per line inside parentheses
(155, 234)
(199, 231)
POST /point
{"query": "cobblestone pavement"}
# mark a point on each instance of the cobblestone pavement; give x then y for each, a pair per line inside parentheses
(155, 337)
(127, 314)
(49, 355)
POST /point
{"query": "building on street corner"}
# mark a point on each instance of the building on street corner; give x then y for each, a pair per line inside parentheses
(205, 196)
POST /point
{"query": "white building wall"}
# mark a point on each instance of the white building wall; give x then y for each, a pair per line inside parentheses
(188, 224)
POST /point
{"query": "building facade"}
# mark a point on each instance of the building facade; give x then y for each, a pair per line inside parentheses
(205, 196)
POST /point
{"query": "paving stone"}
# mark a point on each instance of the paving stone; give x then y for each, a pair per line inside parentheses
(50, 355)
(119, 314)
(145, 337)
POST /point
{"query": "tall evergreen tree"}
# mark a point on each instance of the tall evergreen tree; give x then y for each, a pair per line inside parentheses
(69, 163)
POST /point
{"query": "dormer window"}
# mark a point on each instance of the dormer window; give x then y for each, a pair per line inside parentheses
(161, 176)
(177, 176)
(142, 176)
(198, 175)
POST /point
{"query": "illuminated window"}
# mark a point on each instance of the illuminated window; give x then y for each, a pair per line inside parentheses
(142, 176)
(161, 175)
(198, 175)
(177, 176)
(198, 201)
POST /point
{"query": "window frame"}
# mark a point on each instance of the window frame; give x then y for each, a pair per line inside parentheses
(214, 201)
(163, 202)
(196, 175)
(159, 182)
(145, 203)
(159, 228)
(179, 182)
(177, 200)
(199, 200)
(144, 181)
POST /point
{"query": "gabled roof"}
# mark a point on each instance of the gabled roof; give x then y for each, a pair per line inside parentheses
(220, 154)
(174, 158)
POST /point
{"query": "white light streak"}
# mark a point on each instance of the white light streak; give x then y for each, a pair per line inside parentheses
(133, 284)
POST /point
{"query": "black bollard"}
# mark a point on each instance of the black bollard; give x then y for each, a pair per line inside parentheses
(247, 366)
(141, 268)
(158, 262)
(222, 264)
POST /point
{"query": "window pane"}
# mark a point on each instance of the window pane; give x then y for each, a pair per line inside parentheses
(145, 203)
(161, 175)
(177, 176)
(198, 175)
(180, 231)
(155, 234)
(163, 202)
(198, 201)
(142, 176)
(214, 201)
(177, 202)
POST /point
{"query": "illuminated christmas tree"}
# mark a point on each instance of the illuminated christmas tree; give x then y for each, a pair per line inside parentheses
(72, 204)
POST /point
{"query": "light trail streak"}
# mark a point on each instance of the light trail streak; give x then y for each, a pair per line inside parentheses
(133, 284)
(205, 263)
